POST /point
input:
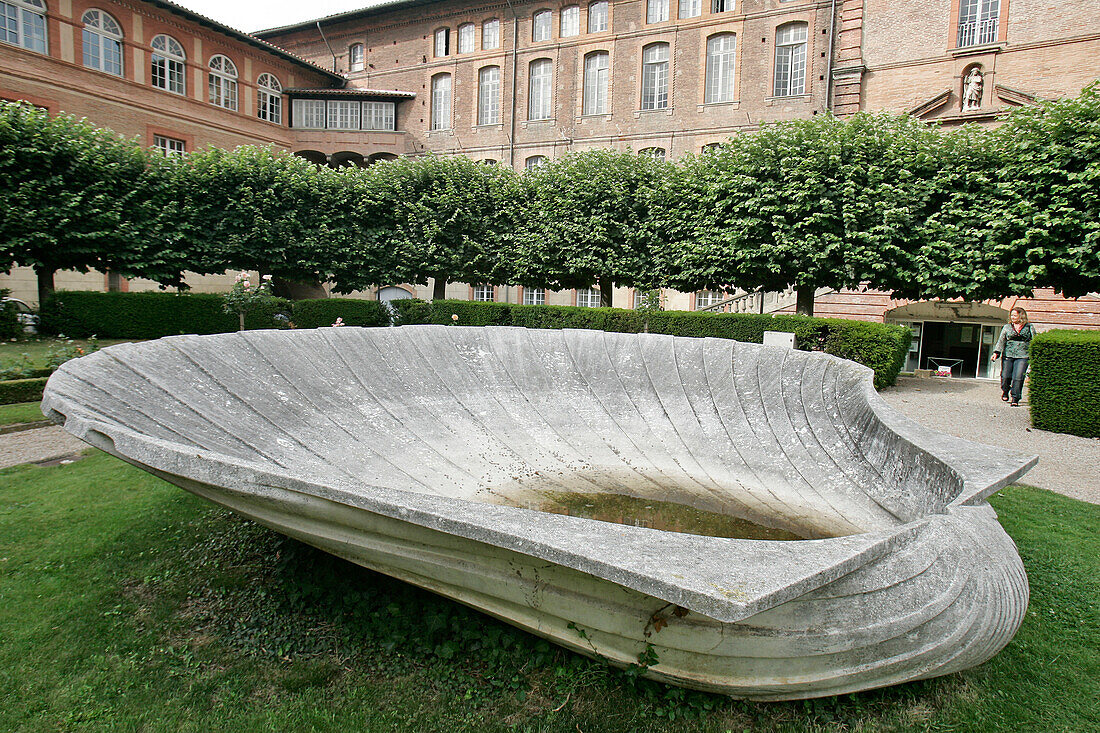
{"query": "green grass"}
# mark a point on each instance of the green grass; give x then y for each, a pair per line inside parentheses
(126, 603)
(38, 349)
(20, 412)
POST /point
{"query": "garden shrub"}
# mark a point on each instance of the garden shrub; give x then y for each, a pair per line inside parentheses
(354, 312)
(1063, 390)
(880, 347)
(149, 315)
(22, 390)
(10, 327)
(408, 311)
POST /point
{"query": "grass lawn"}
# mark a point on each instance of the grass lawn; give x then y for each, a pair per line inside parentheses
(38, 349)
(127, 603)
(20, 412)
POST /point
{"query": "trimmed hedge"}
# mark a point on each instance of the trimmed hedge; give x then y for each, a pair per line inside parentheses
(882, 348)
(79, 314)
(1064, 391)
(324, 312)
(14, 391)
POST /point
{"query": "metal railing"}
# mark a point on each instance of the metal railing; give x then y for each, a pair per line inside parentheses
(977, 32)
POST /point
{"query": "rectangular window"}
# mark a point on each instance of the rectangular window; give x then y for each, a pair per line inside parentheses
(691, 8)
(588, 298)
(378, 115)
(656, 11)
(170, 146)
(309, 114)
(570, 21)
(540, 25)
(23, 27)
(490, 34)
(441, 102)
(355, 57)
(655, 76)
(442, 42)
(540, 89)
(721, 6)
(978, 20)
(466, 38)
(488, 96)
(484, 294)
(708, 298)
(343, 115)
(790, 60)
(595, 83)
(534, 296)
(721, 51)
(597, 16)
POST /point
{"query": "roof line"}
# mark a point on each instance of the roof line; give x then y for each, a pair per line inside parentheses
(248, 38)
(347, 14)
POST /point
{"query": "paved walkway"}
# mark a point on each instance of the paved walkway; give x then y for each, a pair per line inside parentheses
(972, 409)
(967, 408)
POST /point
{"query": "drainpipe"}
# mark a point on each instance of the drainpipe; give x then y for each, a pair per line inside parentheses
(515, 85)
(829, 61)
(329, 46)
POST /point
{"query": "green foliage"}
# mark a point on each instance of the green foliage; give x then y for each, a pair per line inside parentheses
(408, 311)
(21, 390)
(1064, 390)
(150, 314)
(10, 327)
(880, 347)
(354, 312)
(245, 297)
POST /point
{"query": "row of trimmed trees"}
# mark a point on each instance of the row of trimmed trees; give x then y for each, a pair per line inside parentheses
(872, 200)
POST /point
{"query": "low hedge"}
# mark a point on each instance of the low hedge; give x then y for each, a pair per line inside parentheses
(1063, 389)
(13, 391)
(882, 348)
(147, 315)
(325, 311)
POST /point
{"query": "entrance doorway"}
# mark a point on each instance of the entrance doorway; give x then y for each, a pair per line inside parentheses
(966, 348)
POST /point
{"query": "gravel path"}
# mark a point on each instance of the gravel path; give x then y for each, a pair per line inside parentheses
(972, 409)
(967, 408)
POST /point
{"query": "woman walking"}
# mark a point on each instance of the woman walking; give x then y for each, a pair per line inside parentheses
(1014, 343)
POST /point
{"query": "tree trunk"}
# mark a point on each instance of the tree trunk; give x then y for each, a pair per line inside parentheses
(241, 315)
(607, 291)
(804, 305)
(45, 283)
(297, 289)
(439, 292)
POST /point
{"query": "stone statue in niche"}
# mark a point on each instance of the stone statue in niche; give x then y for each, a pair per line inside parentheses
(972, 90)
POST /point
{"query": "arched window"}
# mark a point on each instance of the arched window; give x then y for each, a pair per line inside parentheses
(570, 21)
(222, 82)
(597, 16)
(23, 23)
(488, 95)
(540, 89)
(596, 65)
(655, 153)
(102, 42)
(535, 161)
(466, 38)
(790, 59)
(540, 25)
(269, 99)
(721, 50)
(441, 102)
(655, 76)
(490, 34)
(168, 64)
(355, 57)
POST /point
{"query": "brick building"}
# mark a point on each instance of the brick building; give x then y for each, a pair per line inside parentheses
(522, 82)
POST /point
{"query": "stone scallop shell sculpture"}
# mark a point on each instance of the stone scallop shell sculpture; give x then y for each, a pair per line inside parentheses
(777, 531)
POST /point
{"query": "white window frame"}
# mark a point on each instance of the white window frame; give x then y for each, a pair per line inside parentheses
(979, 22)
(269, 99)
(221, 82)
(536, 161)
(656, 11)
(570, 21)
(23, 24)
(721, 67)
(655, 75)
(102, 42)
(542, 26)
(534, 296)
(343, 114)
(655, 153)
(597, 73)
(168, 65)
(484, 294)
(588, 298)
(690, 9)
(791, 41)
(490, 34)
(356, 59)
(441, 102)
(597, 16)
(442, 43)
(722, 6)
(466, 38)
(488, 95)
(379, 116)
(170, 146)
(540, 90)
(707, 298)
(309, 114)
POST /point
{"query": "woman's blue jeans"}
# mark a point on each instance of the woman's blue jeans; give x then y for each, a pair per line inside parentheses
(1012, 376)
